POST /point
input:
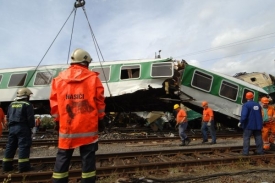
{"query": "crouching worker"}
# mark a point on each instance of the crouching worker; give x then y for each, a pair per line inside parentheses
(268, 123)
(77, 102)
(182, 124)
(20, 118)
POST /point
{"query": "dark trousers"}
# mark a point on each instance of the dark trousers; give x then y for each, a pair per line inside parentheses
(258, 141)
(63, 158)
(19, 137)
(211, 129)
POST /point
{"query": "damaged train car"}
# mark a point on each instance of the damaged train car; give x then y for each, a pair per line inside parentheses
(142, 85)
(131, 85)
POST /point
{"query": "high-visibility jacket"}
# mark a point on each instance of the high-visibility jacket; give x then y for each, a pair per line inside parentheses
(270, 113)
(207, 114)
(77, 99)
(181, 115)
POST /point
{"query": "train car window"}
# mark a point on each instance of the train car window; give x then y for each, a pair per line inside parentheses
(43, 78)
(244, 92)
(130, 72)
(202, 81)
(17, 79)
(1, 78)
(162, 70)
(229, 90)
(104, 73)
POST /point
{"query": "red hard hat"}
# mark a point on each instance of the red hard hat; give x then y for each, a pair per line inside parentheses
(204, 103)
(265, 100)
(249, 95)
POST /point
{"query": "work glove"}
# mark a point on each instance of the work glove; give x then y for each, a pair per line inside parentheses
(209, 123)
(239, 124)
(176, 126)
(101, 125)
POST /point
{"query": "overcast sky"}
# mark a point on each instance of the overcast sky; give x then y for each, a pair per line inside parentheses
(227, 36)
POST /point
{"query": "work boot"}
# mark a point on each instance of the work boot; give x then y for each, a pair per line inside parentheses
(183, 143)
(187, 141)
(204, 141)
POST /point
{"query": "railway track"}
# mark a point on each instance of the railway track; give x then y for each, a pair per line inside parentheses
(131, 162)
(125, 139)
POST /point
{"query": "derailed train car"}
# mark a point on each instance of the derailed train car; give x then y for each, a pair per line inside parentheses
(141, 85)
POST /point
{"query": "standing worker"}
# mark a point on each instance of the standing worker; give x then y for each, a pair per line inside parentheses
(252, 123)
(182, 124)
(2, 120)
(208, 123)
(77, 102)
(20, 118)
(37, 123)
(268, 114)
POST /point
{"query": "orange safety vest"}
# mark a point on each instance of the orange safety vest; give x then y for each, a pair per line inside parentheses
(206, 114)
(270, 112)
(181, 114)
(77, 100)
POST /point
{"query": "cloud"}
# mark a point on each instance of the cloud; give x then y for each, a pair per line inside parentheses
(130, 29)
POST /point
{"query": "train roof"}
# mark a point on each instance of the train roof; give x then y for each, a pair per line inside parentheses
(92, 64)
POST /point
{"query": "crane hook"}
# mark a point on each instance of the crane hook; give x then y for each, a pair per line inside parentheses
(79, 3)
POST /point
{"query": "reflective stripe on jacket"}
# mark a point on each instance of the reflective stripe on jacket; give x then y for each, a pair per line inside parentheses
(77, 97)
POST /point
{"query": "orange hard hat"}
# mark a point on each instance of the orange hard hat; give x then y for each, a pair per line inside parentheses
(204, 103)
(265, 100)
(249, 95)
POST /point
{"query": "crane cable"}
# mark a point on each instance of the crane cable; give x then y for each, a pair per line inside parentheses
(97, 48)
(49, 48)
(71, 36)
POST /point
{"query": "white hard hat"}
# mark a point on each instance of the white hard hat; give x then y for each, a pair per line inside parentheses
(80, 55)
(23, 93)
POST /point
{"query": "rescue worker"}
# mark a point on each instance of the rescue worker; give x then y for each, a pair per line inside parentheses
(182, 123)
(268, 114)
(77, 102)
(2, 120)
(20, 117)
(251, 122)
(37, 123)
(208, 123)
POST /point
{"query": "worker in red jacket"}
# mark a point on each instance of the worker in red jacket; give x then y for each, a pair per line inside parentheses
(77, 102)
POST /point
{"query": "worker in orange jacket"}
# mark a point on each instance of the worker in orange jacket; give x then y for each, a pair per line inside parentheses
(268, 114)
(77, 102)
(208, 123)
(182, 124)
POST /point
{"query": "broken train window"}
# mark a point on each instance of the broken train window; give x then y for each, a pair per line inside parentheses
(130, 71)
(162, 70)
(43, 77)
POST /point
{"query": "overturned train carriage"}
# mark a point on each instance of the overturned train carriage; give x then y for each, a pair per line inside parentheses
(225, 94)
(132, 85)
